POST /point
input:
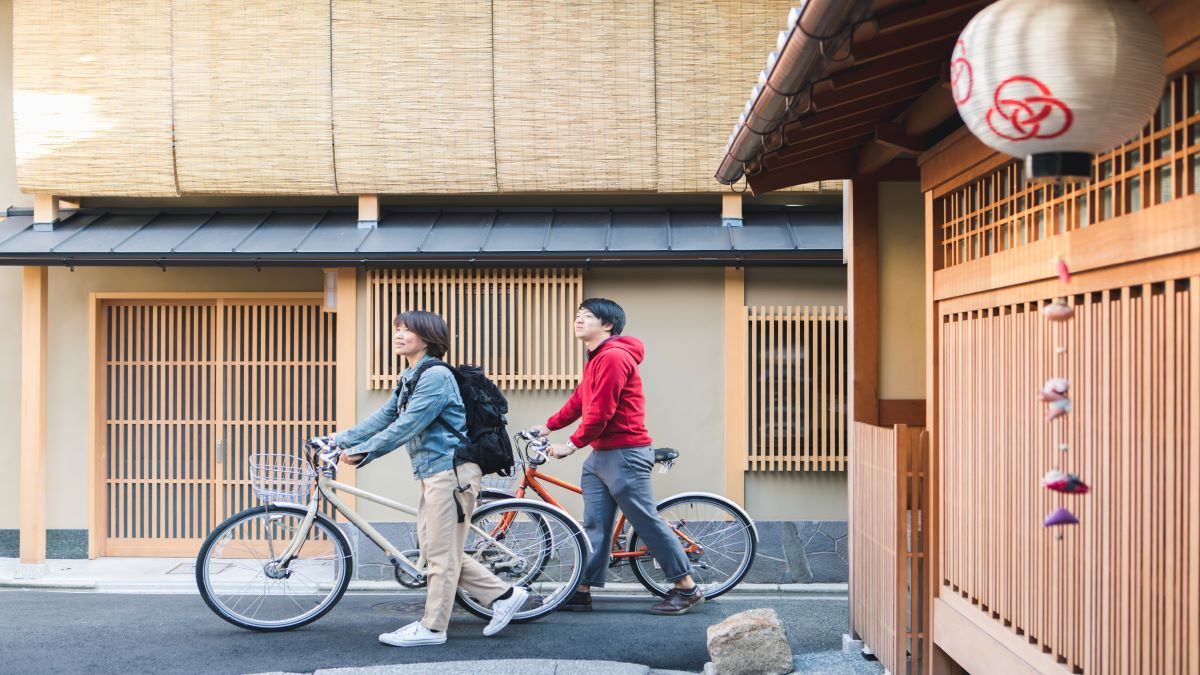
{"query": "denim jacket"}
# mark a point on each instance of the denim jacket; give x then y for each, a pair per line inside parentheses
(430, 445)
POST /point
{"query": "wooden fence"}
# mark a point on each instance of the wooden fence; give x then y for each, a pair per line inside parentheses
(797, 388)
(887, 543)
(1119, 592)
(514, 323)
(191, 388)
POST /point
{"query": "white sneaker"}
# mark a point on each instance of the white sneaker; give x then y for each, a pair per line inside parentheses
(413, 635)
(504, 610)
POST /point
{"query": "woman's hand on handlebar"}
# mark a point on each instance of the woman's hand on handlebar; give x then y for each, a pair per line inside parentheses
(560, 450)
(353, 460)
(538, 431)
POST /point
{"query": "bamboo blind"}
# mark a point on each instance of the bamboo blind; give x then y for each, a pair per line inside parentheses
(92, 108)
(413, 119)
(193, 388)
(1119, 593)
(998, 211)
(365, 97)
(252, 102)
(887, 530)
(574, 95)
(797, 388)
(516, 324)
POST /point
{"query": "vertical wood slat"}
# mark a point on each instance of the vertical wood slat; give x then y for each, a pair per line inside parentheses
(515, 324)
(797, 396)
(1130, 355)
(179, 375)
(887, 475)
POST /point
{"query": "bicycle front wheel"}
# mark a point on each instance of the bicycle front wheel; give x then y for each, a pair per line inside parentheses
(717, 537)
(239, 577)
(530, 544)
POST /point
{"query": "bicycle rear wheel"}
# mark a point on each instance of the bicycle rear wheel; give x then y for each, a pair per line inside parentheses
(239, 579)
(527, 544)
(718, 538)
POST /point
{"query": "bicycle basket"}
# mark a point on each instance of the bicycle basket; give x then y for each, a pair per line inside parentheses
(506, 484)
(281, 478)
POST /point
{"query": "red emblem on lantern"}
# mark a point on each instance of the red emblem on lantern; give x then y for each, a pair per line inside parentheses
(1024, 109)
(962, 76)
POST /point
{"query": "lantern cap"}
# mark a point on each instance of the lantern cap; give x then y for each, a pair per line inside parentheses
(1058, 167)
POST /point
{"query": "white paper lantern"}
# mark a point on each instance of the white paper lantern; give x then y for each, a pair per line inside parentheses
(1056, 81)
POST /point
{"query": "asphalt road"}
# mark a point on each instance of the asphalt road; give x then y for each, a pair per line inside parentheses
(90, 632)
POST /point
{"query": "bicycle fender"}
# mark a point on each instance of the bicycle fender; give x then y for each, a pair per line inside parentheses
(730, 502)
(541, 504)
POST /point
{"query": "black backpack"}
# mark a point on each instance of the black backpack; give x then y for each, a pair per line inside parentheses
(487, 442)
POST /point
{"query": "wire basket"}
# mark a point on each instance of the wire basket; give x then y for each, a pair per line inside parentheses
(281, 478)
(506, 484)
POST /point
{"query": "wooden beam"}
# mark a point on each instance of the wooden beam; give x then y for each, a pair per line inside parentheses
(863, 291)
(804, 152)
(347, 361)
(45, 212)
(902, 411)
(984, 645)
(736, 372)
(930, 109)
(833, 167)
(896, 135)
(33, 415)
(368, 211)
(731, 205)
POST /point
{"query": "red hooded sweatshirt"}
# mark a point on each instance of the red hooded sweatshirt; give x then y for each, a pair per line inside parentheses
(609, 398)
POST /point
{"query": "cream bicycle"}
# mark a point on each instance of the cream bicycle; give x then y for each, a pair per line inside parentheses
(285, 564)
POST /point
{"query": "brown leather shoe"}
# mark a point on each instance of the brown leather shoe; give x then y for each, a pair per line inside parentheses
(677, 602)
(579, 602)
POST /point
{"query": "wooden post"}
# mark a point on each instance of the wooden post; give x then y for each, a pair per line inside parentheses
(347, 361)
(33, 415)
(933, 658)
(368, 211)
(735, 385)
(731, 209)
(863, 223)
(45, 212)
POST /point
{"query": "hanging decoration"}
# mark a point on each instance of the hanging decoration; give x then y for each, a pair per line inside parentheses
(1057, 82)
(1055, 389)
(1060, 516)
(1067, 483)
(1058, 310)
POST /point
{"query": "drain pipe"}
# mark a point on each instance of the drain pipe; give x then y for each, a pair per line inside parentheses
(817, 31)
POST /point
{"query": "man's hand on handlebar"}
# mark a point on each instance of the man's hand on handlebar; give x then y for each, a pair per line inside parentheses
(560, 450)
(354, 460)
(538, 431)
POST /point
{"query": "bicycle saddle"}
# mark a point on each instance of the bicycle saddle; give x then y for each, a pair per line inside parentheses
(665, 455)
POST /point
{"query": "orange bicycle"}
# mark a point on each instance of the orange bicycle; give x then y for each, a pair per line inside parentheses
(717, 535)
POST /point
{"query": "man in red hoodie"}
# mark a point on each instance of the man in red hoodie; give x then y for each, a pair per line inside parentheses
(616, 475)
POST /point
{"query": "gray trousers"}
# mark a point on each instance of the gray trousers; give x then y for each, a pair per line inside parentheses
(620, 478)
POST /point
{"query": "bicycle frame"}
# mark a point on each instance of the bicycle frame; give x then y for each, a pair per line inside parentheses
(530, 480)
(326, 487)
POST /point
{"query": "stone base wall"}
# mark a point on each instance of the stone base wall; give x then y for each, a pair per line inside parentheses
(60, 544)
(789, 552)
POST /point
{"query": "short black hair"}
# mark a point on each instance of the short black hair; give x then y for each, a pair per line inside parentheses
(607, 311)
(429, 327)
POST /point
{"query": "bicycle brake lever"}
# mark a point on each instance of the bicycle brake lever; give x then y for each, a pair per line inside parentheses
(666, 467)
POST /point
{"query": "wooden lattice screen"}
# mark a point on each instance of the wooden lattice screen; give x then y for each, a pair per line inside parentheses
(888, 532)
(797, 369)
(191, 389)
(1119, 593)
(999, 211)
(514, 323)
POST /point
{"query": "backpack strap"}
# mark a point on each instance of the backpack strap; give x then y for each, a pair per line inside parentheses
(412, 385)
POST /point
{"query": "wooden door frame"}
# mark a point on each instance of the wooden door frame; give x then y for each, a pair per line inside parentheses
(97, 503)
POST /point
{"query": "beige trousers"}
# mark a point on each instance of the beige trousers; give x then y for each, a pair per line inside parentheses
(442, 539)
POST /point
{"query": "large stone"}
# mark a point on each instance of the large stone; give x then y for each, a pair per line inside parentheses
(750, 642)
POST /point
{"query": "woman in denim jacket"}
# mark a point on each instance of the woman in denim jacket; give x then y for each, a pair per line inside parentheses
(412, 421)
